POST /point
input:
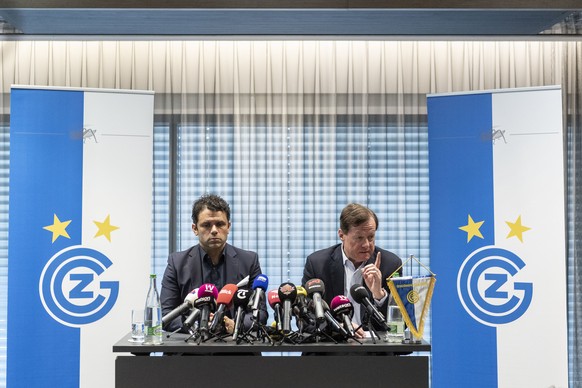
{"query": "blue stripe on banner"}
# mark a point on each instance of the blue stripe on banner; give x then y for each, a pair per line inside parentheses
(46, 165)
(461, 185)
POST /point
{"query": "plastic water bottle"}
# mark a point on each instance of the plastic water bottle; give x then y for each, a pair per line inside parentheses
(153, 315)
(394, 321)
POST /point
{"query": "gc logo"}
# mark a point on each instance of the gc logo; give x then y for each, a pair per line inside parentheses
(486, 288)
(67, 288)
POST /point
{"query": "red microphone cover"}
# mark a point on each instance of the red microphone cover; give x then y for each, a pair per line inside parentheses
(273, 297)
(226, 295)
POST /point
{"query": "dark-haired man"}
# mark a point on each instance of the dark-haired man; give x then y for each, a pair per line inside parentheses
(212, 260)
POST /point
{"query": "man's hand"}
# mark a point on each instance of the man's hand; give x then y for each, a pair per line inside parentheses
(373, 278)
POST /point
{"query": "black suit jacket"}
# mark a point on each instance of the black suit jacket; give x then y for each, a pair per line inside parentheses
(184, 273)
(328, 265)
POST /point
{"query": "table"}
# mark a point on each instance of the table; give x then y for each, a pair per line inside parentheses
(218, 363)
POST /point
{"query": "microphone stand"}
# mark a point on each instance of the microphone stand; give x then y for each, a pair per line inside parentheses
(371, 328)
(262, 332)
(173, 332)
(354, 338)
(194, 334)
(217, 337)
(318, 334)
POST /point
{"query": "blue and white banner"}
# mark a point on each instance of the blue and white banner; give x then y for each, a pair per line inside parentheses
(79, 231)
(497, 238)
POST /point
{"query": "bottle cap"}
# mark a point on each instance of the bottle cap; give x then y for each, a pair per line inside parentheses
(153, 276)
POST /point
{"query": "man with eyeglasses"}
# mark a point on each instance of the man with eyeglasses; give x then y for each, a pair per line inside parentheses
(212, 261)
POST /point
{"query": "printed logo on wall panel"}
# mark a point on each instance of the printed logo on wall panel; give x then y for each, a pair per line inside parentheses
(497, 239)
(79, 231)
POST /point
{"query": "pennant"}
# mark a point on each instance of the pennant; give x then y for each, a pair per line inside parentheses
(413, 296)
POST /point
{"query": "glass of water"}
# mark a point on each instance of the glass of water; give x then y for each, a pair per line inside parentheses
(137, 325)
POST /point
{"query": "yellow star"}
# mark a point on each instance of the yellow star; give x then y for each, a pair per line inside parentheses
(472, 228)
(516, 229)
(58, 228)
(105, 228)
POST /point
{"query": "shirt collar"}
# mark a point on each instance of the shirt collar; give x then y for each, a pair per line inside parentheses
(348, 263)
(206, 259)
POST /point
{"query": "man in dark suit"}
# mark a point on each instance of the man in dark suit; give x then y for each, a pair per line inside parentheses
(212, 261)
(355, 261)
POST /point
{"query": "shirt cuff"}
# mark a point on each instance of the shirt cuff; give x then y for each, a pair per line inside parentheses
(379, 302)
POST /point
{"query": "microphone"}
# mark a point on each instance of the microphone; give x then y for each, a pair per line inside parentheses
(275, 304)
(335, 325)
(300, 309)
(194, 315)
(260, 285)
(188, 302)
(223, 302)
(316, 289)
(241, 300)
(361, 295)
(287, 293)
(243, 282)
(343, 310)
(207, 294)
(192, 318)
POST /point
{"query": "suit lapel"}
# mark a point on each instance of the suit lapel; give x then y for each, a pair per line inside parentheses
(196, 271)
(337, 273)
(231, 264)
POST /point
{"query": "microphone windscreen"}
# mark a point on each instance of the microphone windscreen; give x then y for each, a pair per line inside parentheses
(287, 291)
(243, 282)
(261, 281)
(359, 293)
(227, 293)
(207, 289)
(301, 291)
(340, 304)
(241, 297)
(273, 297)
(192, 296)
(315, 285)
(205, 301)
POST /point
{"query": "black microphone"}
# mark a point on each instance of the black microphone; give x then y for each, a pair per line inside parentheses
(241, 300)
(300, 309)
(335, 325)
(188, 302)
(361, 295)
(287, 294)
(223, 301)
(260, 285)
(207, 294)
(315, 289)
(192, 318)
(343, 310)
